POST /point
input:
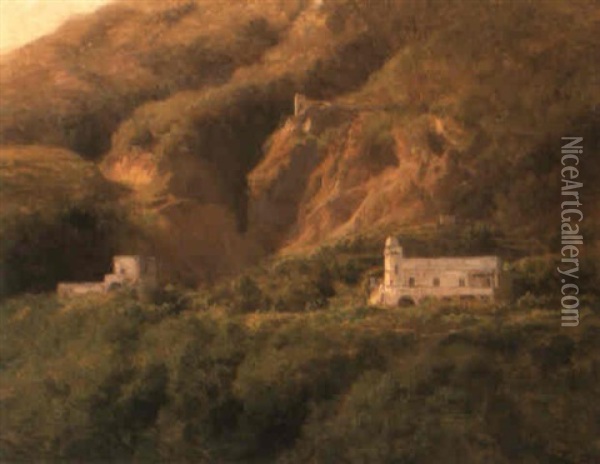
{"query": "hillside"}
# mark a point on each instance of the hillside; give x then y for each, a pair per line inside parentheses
(187, 104)
(441, 128)
(286, 364)
(169, 128)
(60, 218)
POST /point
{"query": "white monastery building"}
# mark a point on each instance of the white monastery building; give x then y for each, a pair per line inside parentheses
(408, 281)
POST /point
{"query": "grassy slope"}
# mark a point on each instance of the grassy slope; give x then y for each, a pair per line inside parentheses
(469, 76)
(191, 379)
(287, 364)
(60, 218)
(74, 87)
(42, 179)
(150, 81)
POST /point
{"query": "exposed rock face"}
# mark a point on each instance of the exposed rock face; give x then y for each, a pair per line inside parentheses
(410, 114)
(187, 157)
(350, 172)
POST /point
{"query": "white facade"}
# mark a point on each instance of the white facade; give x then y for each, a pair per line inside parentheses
(410, 280)
(132, 270)
(129, 271)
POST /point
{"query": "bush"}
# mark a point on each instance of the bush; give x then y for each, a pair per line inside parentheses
(101, 378)
(247, 296)
(301, 294)
(535, 276)
(377, 143)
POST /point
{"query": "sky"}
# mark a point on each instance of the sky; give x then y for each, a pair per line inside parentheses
(22, 21)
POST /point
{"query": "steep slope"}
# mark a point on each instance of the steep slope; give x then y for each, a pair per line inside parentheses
(331, 175)
(112, 380)
(461, 120)
(186, 104)
(189, 105)
(74, 87)
(59, 219)
(193, 150)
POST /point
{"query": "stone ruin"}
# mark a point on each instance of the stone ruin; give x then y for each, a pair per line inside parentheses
(139, 273)
(306, 106)
(314, 116)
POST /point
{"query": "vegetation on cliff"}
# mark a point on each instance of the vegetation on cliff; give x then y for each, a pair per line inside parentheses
(165, 128)
(188, 116)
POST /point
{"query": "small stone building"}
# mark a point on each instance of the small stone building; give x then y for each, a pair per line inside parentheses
(135, 272)
(408, 281)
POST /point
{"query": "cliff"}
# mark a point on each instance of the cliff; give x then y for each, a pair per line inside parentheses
(187, 105)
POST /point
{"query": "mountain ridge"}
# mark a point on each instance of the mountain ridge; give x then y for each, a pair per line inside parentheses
(188, 107)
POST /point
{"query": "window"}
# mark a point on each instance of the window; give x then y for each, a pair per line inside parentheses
(436, 281)
(411, 282)
(396, 269)
(480, 280)
(461, 282)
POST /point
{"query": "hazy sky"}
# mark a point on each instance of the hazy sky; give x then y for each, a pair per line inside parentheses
(22, 21)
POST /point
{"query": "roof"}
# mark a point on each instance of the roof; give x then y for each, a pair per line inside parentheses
(472, 263)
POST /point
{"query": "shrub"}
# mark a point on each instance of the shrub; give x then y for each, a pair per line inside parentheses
(247, 296)
(378, 144)
(536, 276)
(554, 354)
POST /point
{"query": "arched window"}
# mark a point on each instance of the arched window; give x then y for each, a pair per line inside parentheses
(411, 281)
(436, 281)
(461, 282)
(396, 269)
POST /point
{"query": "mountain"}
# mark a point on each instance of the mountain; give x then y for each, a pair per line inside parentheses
(262, 150)
(416, 109)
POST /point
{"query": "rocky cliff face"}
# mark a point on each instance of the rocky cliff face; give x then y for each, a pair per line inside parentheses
(335, 171)
(187, 106)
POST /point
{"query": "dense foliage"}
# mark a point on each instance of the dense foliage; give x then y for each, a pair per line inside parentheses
(59, 219)
(286, 364)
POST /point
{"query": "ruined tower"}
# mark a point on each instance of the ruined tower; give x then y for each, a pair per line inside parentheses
(300, 104)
